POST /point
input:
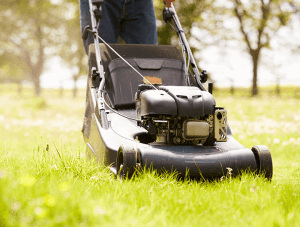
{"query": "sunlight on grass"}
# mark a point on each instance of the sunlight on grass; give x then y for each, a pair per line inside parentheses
(46, 180)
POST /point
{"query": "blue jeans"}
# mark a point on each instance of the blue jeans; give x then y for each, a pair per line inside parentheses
(133, 20)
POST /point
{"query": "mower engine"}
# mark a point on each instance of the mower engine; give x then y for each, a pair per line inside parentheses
(180, 115)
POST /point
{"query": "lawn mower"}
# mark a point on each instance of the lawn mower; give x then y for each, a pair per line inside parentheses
(147, 107)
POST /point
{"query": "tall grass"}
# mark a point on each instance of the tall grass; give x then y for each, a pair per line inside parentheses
(45, 179)
(57, 188)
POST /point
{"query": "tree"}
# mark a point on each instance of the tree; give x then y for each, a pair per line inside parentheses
(30, 31)
(259, 21)
(190, 15)
(72, 51)
(13, 69)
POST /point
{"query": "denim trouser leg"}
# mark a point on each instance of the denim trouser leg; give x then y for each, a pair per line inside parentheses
(139, 23)
(133, 20)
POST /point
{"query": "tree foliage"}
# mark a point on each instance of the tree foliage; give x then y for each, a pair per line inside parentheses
(72, 51)
(12, 69)
(30, 31)
(33, 31)
(190, 13)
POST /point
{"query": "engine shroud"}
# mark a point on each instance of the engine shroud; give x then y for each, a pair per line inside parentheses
(180, 115)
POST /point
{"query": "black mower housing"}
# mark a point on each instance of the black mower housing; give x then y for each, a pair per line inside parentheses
(184, 101)
(113, 146)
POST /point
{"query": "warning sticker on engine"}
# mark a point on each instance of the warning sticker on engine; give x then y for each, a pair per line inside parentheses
(152, 80)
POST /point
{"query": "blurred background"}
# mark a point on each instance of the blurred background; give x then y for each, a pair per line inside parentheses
(241, 43)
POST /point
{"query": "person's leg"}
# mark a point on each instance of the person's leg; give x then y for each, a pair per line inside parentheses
(109, 24)
(138, 25)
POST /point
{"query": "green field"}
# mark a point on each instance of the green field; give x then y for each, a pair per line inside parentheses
(45, 179)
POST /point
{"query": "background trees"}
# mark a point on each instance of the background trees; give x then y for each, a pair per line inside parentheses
(71, 51)
(13, 70)
(189, 13)
(33, 31)
(259, 21)
(28, 32)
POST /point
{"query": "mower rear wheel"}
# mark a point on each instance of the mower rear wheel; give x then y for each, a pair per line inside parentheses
(126, 161)
(263, 160)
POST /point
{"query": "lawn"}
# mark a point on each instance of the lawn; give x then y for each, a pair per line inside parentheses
(46, 180)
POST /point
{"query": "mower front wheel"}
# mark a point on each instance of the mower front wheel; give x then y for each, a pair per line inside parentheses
(126, 161)
(263, 160)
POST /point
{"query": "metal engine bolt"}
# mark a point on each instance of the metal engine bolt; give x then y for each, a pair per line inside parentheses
(176, 140)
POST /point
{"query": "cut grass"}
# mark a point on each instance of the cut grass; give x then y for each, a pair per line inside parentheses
(57, 186)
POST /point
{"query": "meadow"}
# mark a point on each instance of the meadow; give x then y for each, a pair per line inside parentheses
(46, 180)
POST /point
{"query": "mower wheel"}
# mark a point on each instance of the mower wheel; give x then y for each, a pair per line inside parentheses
(126, 161)
(263, 160)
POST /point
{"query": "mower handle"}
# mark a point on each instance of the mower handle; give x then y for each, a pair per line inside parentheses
(169, 13)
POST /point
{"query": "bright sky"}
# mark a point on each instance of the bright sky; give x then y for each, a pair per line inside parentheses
(57, 75)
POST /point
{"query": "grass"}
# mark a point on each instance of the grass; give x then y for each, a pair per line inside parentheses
(45, 179)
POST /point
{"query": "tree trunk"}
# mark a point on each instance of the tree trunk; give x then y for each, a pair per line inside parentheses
(75, 87)
(232, 87)
(278, 88)
(38, 67)
(255, 60)
(20, 87)
(232, 90)
(37, 86)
